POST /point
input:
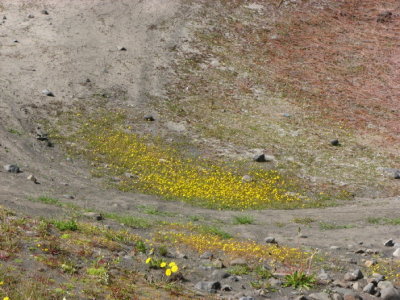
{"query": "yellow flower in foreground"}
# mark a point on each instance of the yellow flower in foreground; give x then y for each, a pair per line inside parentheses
(6, 298)
(163, 264)
(148, 260)
(168, 272)
(1, 282)
(171, 264)
(174, 269)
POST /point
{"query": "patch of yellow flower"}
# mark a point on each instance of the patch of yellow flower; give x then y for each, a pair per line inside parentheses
(236, 248)
(389, 268)
(160, 170)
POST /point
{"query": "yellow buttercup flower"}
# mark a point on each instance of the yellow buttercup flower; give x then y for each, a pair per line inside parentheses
(6, 298)
(168, 272)
(1, 282)
(171, 264)
(174, 269)
(148, 260)
(163, 264)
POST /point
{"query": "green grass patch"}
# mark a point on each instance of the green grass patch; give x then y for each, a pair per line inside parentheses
(383, 221)
(47, 200)
(243, 220)
(207, 229)
(64, 225)
(333, 226)
(130, 221)
(151, 210)
(239, 270)
(299, 280)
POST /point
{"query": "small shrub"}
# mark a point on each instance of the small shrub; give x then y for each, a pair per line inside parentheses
(299, 280)
(303, 221)
(262, 272)
(65, 225)
(141, 246)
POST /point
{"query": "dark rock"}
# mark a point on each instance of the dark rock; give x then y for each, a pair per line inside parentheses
(121, 48)
(335, 142)
(390, 293)
(389, 243)
(226, 288)
(270, 240)
(149, 118)
(12, 169)
(33, 179)
(44, 12)
(396, 174)
(30, 16)
(40, 135)
(369, 288)
(263, 158)
(93, 215)
(208, 286)
(47, 93)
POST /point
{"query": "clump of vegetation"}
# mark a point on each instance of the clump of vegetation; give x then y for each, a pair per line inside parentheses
(162, 171)
(299, 280)
(332, 226)
(243, 220)
(64, 225)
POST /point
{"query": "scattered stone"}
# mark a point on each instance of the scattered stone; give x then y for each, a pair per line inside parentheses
(359, 251)
(378, 277)
(218, 263)
(353, 276)
(247, 178)
(389, 243)
(33, 179)
(149, 118)
(370, 263)
(390, 293)
(323, 276)
(12, 169)
(47, 93)
(181, 255)
(274, 282)
(246, 298)
(218, 275)
(337, 296)
(369, 288)
(397, 174)
(359, 285)
(30, 16)
(385, 285)
(270, 240)
(238, 262)
(372, 251)
(15, 41)
(396, 253)
(264, 158)
(352, 297)
(235, 278)
(286, 115)
(68, 196)
(209, 286)
(207, 255)
(93, 215)
(44, 12)
(4, 17)
(335, 142)
(334, 247)
(121, 48)
(226, 288)
(320, 296)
